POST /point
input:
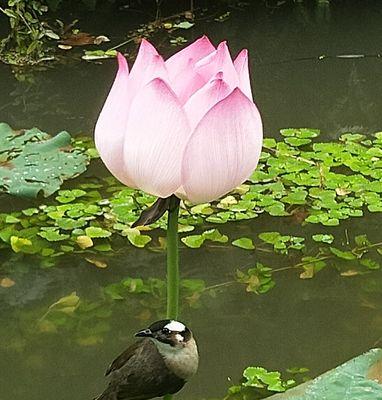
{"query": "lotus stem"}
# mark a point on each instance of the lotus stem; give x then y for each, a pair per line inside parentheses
(172, 264)
(172, 260)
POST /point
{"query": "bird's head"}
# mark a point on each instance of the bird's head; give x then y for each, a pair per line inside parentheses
(168, 331)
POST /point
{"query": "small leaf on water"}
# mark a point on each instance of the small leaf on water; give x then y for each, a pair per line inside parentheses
(346, 255)
(362, 240)
(227, 201)
(135, 238)
(370, 264)
(10, 219)
(244, 243)
(342, 191)
(308, 273)
(350, 272)
(204, 209)
(215, 236)
(97, 232)
(84, 241)
(193, 241)
(53, 235)
(72, 300)
(184, 25)
(324, 238)
(7, 282)
(98, 263)
(20, 244)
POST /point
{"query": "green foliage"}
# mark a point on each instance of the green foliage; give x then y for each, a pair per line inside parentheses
(90, 216)
(26, 43)
(244, 243)
(257, 280)
(258, 383)
(195, 241)
(32, 162)
(282, 243)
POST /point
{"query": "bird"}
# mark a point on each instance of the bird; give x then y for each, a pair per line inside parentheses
(160, 362)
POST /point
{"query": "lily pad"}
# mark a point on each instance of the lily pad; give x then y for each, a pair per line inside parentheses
(32, 162)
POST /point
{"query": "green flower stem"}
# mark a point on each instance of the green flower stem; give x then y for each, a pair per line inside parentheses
(172, 260)
(172, 264)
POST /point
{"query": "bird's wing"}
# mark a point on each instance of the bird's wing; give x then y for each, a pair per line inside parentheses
(140, 373)
(123, 358)
(159, 385)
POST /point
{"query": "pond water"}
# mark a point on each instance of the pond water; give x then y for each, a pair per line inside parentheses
(316, 323)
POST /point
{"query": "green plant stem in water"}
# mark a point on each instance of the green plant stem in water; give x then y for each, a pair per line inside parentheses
(172, 260)
(172, 264)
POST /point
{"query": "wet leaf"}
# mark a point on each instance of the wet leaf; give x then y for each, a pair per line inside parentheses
(184, 25)
(97, 232)
(34, 162)
(53, 235)
(244, 243)
(324, 238)
(84, 241)
(21, 244)
(346, 255)
(370, 264)
(193, 241)
(308, 273)
(66, 304)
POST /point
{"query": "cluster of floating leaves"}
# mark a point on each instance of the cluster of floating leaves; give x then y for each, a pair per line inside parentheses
(258, 383)
(319, 183)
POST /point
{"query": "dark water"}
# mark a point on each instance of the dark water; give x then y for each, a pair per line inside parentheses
(314, 323)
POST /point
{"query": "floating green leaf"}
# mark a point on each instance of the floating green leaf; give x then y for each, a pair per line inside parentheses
(32, 162)
(258, 279)
(53, 235)
(97, 232)
(323, 237)
(244, 243)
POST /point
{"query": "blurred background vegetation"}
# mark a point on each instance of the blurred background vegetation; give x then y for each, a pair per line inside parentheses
(31, 30)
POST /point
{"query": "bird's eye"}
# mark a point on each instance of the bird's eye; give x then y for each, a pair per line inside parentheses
(165, 331)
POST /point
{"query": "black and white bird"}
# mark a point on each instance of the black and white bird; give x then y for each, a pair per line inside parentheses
(159, 363)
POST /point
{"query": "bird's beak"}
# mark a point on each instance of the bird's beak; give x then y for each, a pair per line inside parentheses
(144, 333)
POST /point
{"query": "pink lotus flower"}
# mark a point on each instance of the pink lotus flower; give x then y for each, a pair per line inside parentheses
(187, 125)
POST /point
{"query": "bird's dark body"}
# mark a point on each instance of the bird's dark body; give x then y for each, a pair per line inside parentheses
(153, 379)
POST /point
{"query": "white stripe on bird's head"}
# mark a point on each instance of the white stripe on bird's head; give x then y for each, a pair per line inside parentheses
(175, 326)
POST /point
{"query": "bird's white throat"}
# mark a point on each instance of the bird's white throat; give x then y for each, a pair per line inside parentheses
(181, 360)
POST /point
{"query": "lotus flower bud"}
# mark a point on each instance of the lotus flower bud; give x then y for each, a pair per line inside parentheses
(186, 126)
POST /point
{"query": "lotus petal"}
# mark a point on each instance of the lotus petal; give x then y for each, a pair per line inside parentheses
(156, 134)
(111, 124)
(204, 99)
(192, 53)
(184, 79)
(219, 60)
(223, 150)
(148, 66)
(241, 66)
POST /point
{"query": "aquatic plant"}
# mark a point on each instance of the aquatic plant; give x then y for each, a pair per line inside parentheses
(27, 40)
(185, 128)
